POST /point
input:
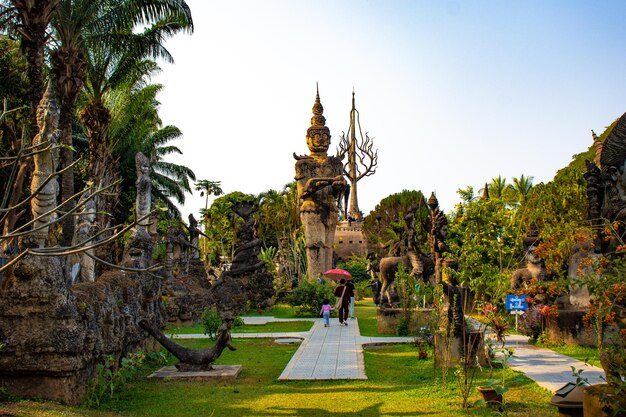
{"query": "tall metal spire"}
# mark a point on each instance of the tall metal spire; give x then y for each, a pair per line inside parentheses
(362, 159)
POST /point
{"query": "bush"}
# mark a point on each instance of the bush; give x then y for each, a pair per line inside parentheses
(357, 266)
(309, 297)
(403, 327)
(111, 377)
(212, 321)
(363, 290)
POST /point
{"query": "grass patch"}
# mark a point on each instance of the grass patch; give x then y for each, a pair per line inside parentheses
(282, 311)
(399, 385)
(275, 327)
(587, 354)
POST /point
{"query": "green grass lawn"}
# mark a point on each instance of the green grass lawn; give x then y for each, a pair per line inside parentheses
(291, 326)
(399, 385)
(588, 354)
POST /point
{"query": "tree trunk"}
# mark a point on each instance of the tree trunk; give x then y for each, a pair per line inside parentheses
(103, 169)
(68, 65)
(191, 359)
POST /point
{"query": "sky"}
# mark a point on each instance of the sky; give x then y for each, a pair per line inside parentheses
(453, 93)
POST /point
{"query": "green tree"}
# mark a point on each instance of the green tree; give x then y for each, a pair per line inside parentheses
(485, 239)
(385, 224)
(221, 225)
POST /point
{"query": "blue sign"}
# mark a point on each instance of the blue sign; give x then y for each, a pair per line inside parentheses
(516, 302)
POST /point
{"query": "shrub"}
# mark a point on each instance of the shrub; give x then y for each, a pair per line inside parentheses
(309, 297)
(110, 379)
(212, 321)
(403, 327)
(357, 266)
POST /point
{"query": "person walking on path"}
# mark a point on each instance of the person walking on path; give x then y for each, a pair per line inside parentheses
(325, 312)
(344, 294)
(350, 286)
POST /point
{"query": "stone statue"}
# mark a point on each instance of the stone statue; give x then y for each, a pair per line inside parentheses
(438, 225)
(320, 182)
(194, 237)
(532, 266)
(247, 281)
(138, 250)
(84, 231)
(411, 257)
(606, 184)
(144, 193)
(46, 159)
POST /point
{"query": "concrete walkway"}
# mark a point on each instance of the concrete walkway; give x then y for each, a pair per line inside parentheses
(547, 368)
(336, 352)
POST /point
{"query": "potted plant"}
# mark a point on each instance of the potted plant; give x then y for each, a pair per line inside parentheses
(493, 389)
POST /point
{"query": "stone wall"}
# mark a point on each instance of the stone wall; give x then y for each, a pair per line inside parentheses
(54, 334)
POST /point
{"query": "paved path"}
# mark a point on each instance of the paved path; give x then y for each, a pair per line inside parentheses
(547, 368)
(336, 352)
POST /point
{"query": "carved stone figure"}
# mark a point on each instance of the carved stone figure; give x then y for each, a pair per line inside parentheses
(194, 236)
(320, 182)
(438, 225)
(532, 266)
(422, 266)
(84, 232)
(144, 193)
(46, 159)
(138, 251)
(246, 281)
(606, 184)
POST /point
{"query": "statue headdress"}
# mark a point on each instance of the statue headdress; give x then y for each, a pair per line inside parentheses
(318, 121)
(614, 147)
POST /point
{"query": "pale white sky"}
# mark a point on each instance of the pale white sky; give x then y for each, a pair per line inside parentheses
(453, 92)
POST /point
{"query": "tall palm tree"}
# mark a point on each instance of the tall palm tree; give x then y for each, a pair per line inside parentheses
(97, 46)
(497, 187)
(522, 187)
(27, 21)
(136, 127)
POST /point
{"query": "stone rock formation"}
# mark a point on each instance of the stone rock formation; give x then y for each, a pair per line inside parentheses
(320, 182)
(247, 281)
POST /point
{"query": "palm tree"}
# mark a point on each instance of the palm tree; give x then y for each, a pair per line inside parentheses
(497, 187)
(137, 127)
(28, 21)
(207, 188)
(522, 187)
(98, 49)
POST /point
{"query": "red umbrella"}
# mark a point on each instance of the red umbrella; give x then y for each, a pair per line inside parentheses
(336, 274)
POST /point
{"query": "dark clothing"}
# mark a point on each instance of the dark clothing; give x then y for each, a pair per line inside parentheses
(351, 288)
(345, 301)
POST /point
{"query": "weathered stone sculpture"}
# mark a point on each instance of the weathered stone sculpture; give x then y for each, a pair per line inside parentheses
(46, 159)
(144, 194)
(532, 266)
(84, 232)
(194, 237)
(419, 264)
(138, 251)
(320, 182)
(606, 185)
(438, 226)
(246, 281)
